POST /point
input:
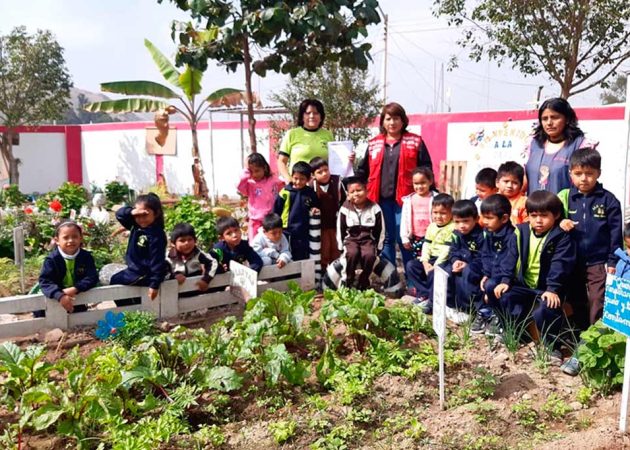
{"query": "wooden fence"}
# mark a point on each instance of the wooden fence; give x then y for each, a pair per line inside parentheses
(167, 304)
(452, 176)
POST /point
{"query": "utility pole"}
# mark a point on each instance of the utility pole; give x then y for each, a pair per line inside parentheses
(384, 76)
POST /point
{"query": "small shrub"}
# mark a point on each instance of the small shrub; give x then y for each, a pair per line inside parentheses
(602, 357)
(70, 195)
(195, 212)
(138, 324)
(209, 436)
(117, 193)
(282, 430)
(10, 195)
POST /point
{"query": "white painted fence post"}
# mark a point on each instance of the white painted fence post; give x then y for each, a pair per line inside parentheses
(153, 306)
(169, 301)
(307, 281)
(56, 315)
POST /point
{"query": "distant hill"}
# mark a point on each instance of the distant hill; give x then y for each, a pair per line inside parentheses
(76, 114)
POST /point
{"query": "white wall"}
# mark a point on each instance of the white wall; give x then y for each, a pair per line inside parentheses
(43, 161)
(491, 143)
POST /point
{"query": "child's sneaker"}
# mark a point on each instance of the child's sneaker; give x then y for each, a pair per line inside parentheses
(571, 366)
(494, 326)
(455, 316)
(555, 357)
(480, 324)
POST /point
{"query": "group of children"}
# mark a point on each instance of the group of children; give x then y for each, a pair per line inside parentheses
(512, 257)
(509, 256)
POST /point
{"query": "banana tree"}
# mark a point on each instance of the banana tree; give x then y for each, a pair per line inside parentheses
(158, 98)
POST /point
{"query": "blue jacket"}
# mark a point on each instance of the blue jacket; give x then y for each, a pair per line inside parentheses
(146, 248)
(241, 253)
(598, 231)
(294, 206)
(467, 247)
(54, 270)
(494, 247)
(557, 259)
(623, 266)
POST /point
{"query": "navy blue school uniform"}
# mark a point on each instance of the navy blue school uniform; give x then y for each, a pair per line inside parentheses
(556, 262)
(597, 233)
(294, 206)
(145, 257)
(495, 245)
(464, 288)
(54, 271)
(242, 253)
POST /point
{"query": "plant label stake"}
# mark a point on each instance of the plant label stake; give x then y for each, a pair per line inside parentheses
(18, 252)
(243, 281)
(617, 317)
(440, 286)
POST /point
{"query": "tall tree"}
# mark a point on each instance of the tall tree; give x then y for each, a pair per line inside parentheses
(189, 105)
(350, 100)
(282, 36)
(577, 43)
(34, 86)
(616, 93)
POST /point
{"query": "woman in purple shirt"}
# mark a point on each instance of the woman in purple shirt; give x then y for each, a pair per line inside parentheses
(555, 139)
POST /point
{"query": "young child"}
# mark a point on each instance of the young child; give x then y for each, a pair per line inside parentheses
(271, 244)
(595, 224)
(485, 186)
(416, 210)
(360, 233)
(464, 260)
(331, 195)
(260, 187)
(68, 269)
(185, 259)
(510, 178)
(495, 214)
(435, 251)
(146, 248)
(294, 204)
(535, 270)
(623, 265)
(231, 246)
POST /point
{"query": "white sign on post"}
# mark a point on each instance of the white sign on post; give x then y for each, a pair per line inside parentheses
(18, 252)
(440, 286)
(243, 281)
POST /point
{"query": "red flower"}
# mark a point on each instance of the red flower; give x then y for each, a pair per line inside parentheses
(28, 210)
(55, 205)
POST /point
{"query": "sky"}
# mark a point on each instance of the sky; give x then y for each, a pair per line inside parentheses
(104, 41)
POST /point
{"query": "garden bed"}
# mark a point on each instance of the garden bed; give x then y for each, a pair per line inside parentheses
(257, 386)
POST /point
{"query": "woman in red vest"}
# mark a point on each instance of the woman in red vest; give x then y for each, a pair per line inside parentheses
(389, 161)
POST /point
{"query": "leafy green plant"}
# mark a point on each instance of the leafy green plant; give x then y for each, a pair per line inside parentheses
(282, 430)
(482, 386)
(208, 435)
(10, 195)
(117, 193)
(70, 195)
(482, 411)
(361, 311)
(198, 214)
(584, 395)
(602, 356)
(526, 415)
(138, 324)
(555, 407)
(514, 331)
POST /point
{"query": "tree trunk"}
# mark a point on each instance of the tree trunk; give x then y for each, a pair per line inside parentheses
(7, 154)
(247, 62)
(200, 188)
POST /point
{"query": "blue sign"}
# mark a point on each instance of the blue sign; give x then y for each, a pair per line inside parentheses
(617, 306)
